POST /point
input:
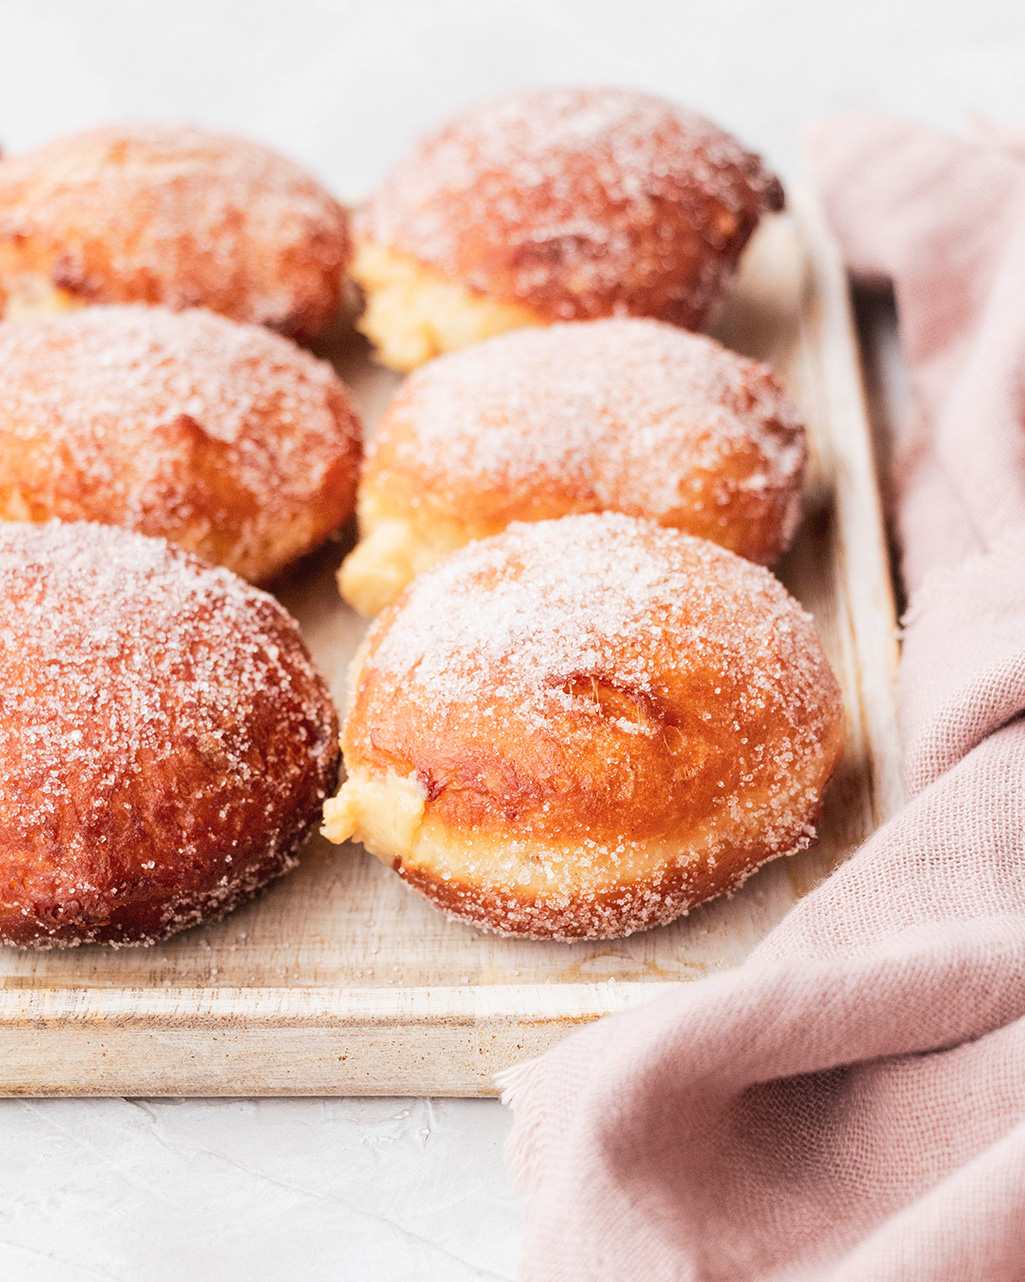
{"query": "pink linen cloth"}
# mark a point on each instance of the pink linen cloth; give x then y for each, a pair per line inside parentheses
(849, 1104)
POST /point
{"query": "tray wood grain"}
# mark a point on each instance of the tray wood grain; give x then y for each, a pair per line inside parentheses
(339, 980)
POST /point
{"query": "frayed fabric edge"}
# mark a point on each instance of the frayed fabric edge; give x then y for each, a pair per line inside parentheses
(523, 1147)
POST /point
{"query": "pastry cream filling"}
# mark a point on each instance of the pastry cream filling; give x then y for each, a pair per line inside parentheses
(381, 811)
(386, 812)
(391, 552)
(27, 294)
(386, 558)
(414, 312)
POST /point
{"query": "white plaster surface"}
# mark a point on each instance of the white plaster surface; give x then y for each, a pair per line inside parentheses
(392, 1190)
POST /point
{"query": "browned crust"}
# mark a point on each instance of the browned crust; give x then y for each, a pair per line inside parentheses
(141, 914)
(179, 216)
(225, 439)
(163, 754)
(583, 773)
(566, 227)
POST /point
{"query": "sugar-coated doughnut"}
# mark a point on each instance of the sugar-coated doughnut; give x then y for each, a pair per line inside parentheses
(581, 728)
(172, 215)
(626, 414)
(224, 438)
(555, 204)
(165, 741)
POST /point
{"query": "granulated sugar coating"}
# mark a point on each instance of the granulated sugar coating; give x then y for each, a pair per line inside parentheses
(165, 741)
(224, 438)
(173, 215)
(578, 203)
(607, 722)
(626, 414)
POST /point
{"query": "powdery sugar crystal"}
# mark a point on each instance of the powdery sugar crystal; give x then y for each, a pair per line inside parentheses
(517, 616)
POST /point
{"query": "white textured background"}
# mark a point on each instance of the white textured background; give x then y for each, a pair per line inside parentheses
(393, 1190)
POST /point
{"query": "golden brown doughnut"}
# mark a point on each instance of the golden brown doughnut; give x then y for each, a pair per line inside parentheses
(581, 728)
(165, 741)
(223, 438)
(554, 204)
(626, 414)
(172, 215)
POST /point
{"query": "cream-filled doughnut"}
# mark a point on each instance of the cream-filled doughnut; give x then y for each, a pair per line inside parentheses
(173, 215)
(554, 204)
(224, 438)
(581, 728)
(165, 740)
(629, 414)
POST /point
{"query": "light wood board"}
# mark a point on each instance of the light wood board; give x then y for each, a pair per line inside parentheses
(339, 980)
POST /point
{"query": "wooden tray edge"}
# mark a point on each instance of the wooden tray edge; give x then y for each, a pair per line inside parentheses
(291, 1041)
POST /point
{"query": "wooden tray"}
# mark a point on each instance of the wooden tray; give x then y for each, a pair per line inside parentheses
(339, 980)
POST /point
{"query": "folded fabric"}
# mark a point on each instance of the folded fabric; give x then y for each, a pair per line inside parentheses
(849, 1104)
